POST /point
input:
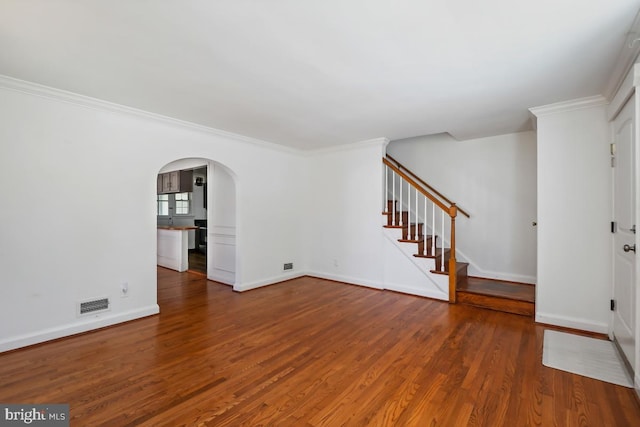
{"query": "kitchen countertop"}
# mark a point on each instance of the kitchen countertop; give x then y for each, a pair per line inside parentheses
(177, 227)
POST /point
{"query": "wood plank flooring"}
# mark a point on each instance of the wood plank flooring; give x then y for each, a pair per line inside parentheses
(197, 261)
(309, 352)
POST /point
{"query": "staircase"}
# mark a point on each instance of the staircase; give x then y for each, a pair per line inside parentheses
(510, 297)
(427, 244)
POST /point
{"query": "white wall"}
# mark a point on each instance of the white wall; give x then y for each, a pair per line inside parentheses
(81, 178)
(494, 180)
(574, 215)
(403, 272)
(343, 225)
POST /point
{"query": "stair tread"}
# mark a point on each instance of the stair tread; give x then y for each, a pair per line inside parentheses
(459, 267)
(437, 255)
(508, 290)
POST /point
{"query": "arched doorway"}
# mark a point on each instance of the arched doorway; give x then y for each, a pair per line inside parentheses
(196, 209)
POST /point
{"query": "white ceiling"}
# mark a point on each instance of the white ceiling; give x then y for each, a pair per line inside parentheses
(309, 74)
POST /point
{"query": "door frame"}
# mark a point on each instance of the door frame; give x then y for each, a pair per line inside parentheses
(624, 263)
(629, 87)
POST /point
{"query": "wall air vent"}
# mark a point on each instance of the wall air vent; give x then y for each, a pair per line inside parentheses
(93, 306)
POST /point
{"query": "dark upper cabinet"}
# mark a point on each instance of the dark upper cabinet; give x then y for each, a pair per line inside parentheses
(175, 182)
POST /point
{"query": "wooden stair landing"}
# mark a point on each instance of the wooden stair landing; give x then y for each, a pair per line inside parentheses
(510, 297)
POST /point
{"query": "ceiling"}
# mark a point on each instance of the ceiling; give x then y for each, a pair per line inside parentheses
(310, 74)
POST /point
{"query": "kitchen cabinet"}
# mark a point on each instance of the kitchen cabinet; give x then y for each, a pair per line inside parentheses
(175, 182)
(173, 244)
(171, 182)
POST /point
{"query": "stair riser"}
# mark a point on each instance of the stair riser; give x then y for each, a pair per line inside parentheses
(404, 219)
(412, 232)
(425, 246)
(461, 273)
(391, 205)
(505, 305)
(447, 255)
(391, 209)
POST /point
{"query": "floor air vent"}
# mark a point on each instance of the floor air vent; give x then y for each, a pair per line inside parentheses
(93, 306)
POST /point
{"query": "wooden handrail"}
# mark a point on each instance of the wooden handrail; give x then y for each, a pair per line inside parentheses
(424, 184)
(415, 185)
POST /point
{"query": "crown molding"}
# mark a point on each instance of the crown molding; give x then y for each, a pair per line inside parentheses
(571, 105)
(60, 95)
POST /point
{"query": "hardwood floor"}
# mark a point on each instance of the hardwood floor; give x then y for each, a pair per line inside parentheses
(197, 261)
(309, 352)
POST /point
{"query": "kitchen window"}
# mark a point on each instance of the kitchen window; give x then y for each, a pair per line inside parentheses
(182, 203)
(163, 204)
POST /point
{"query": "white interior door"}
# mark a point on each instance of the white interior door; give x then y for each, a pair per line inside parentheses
(624, 264)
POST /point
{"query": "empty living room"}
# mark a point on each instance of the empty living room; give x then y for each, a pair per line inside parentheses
(319, 214)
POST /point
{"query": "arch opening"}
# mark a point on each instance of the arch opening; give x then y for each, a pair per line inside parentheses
(196, 218)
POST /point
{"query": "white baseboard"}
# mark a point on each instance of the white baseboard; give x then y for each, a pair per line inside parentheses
(429, 293)
(226, 277)
(86, 325)
(572, 322)
(346, 279)
(241, 287)
(289, 276)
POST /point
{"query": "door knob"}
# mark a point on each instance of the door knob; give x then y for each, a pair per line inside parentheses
(628, 248)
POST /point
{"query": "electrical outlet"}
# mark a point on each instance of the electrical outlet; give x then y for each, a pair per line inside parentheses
(288, 266)
(124, 289)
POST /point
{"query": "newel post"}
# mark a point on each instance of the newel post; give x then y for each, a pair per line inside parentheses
(453, 211)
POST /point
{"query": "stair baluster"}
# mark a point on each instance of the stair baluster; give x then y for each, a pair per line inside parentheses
(417, 237)
(408, 225)
(393, 189)
(401, 205)
(442, 234)
(433, 229)
(386, 190)
(426, 222)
